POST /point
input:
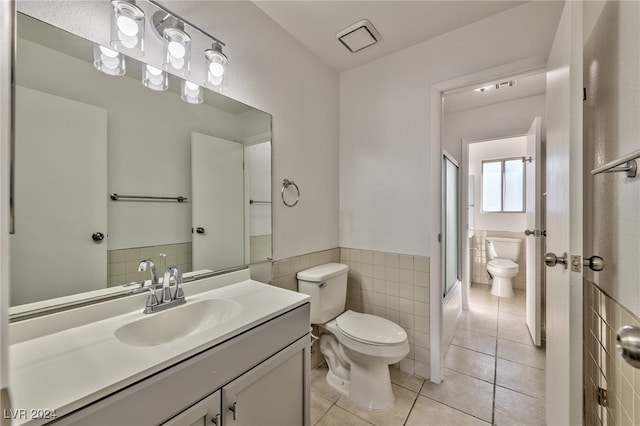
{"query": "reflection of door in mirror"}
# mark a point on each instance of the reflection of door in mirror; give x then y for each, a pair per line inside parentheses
(57, 140)
(217, 188)
(257, 174)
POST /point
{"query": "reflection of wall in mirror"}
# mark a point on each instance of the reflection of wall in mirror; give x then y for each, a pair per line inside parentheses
(257, 171)
(148, 152)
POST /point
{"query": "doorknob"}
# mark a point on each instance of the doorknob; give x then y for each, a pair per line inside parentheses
(200, 230)
(550, 259)
(528, 232)
(97, 236)
(595, 263)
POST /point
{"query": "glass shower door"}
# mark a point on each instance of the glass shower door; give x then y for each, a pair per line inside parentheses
(450, 230)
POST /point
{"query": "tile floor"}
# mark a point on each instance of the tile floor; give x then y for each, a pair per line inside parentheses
(493, 375)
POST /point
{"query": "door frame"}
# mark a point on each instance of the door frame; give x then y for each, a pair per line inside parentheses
(436, 118)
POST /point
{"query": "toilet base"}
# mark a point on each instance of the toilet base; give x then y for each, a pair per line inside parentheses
(502, 287)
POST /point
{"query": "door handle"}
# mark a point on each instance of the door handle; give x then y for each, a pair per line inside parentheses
(97, 237)
(551, 260)
(528, 232)
(595, 263)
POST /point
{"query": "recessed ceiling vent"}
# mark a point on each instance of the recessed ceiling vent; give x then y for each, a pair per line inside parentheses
(358, 36)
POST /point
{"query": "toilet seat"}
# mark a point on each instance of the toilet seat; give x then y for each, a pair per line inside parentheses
(370, 329)
(504, 265)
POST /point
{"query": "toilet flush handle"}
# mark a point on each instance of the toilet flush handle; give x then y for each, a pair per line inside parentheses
(323, 284)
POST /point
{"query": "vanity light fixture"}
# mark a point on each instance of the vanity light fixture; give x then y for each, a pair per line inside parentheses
(191, 93)
(216, 65)
(127, 27)
(177, 43)
(108, 61)
(155, 78)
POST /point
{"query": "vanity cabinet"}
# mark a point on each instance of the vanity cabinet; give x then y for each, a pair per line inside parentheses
(261, 376)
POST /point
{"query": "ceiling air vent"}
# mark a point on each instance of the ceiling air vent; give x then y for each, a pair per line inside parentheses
(358, 36)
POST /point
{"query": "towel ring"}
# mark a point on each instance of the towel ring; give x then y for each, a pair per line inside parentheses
(285, 184)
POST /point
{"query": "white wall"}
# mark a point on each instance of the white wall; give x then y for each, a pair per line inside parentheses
(490, 122)
(271, 71)
(612, 130)
(490, 150)
(385, 145)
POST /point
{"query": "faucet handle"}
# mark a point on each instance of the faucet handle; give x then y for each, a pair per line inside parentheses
(178, 294)
(152, 300)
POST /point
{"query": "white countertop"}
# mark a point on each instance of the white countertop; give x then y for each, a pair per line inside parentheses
(69, 369)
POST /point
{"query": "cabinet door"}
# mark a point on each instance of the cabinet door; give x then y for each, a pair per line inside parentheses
(205, 412)
(271, 394)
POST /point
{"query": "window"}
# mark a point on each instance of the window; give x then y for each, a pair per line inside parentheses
(503, 185)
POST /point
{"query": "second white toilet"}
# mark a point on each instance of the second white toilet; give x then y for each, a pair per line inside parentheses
(502, 254)
(358, 347)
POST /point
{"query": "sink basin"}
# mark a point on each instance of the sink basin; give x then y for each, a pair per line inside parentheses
(175, 323)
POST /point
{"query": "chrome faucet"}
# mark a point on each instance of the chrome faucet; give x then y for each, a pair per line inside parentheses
(168, 300)
(152, 266)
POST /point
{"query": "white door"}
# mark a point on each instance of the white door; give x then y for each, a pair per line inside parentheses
(217, 188)
(56, 213)
(534, 239)
(564, 219)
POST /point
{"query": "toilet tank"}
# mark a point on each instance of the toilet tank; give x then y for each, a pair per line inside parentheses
(503, 248)
(327, 286)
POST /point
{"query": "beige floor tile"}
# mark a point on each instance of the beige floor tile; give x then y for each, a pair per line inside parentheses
(515, 408)
(475, 341)
(321, 387)
(479, 319)
(514, 328)
(521, 353)
(396, 415)
(427, 412)
(465, 393)
(319, 406)
(476, 364)
(521, 378)
(338, 416)
(512, 308)
(400, 378)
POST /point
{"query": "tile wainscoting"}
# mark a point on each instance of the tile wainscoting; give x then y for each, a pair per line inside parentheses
(479, 272)
(390, 285)
(122, 265)
(603, 367)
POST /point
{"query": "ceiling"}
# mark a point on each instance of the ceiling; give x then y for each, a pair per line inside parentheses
(400, 23)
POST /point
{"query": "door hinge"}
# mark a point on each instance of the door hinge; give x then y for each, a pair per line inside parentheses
(584, 94)
(602, 397)
(439, 238)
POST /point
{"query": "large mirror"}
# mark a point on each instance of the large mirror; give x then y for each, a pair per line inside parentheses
(193, 181)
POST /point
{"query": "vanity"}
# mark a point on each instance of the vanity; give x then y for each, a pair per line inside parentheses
(238, 352)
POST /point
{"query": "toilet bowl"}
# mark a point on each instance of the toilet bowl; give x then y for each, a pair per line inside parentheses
(502, 253)
(358, 347)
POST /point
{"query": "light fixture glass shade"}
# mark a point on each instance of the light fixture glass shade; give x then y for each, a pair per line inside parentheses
(216, 67)
(108, 61)
(177, 58)
(127, 27)
(155, 79)
(191, 93)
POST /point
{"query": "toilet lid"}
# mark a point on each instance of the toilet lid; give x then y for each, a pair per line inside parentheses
(503, 263)
(370, 329)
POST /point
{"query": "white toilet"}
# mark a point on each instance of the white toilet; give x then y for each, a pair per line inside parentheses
(357, 347)
(502, 253)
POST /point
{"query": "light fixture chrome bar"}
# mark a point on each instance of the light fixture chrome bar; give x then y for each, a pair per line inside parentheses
(184, 21)
(118, 197)
(626, 164)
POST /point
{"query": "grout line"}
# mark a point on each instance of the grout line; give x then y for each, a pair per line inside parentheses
(495, 369)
